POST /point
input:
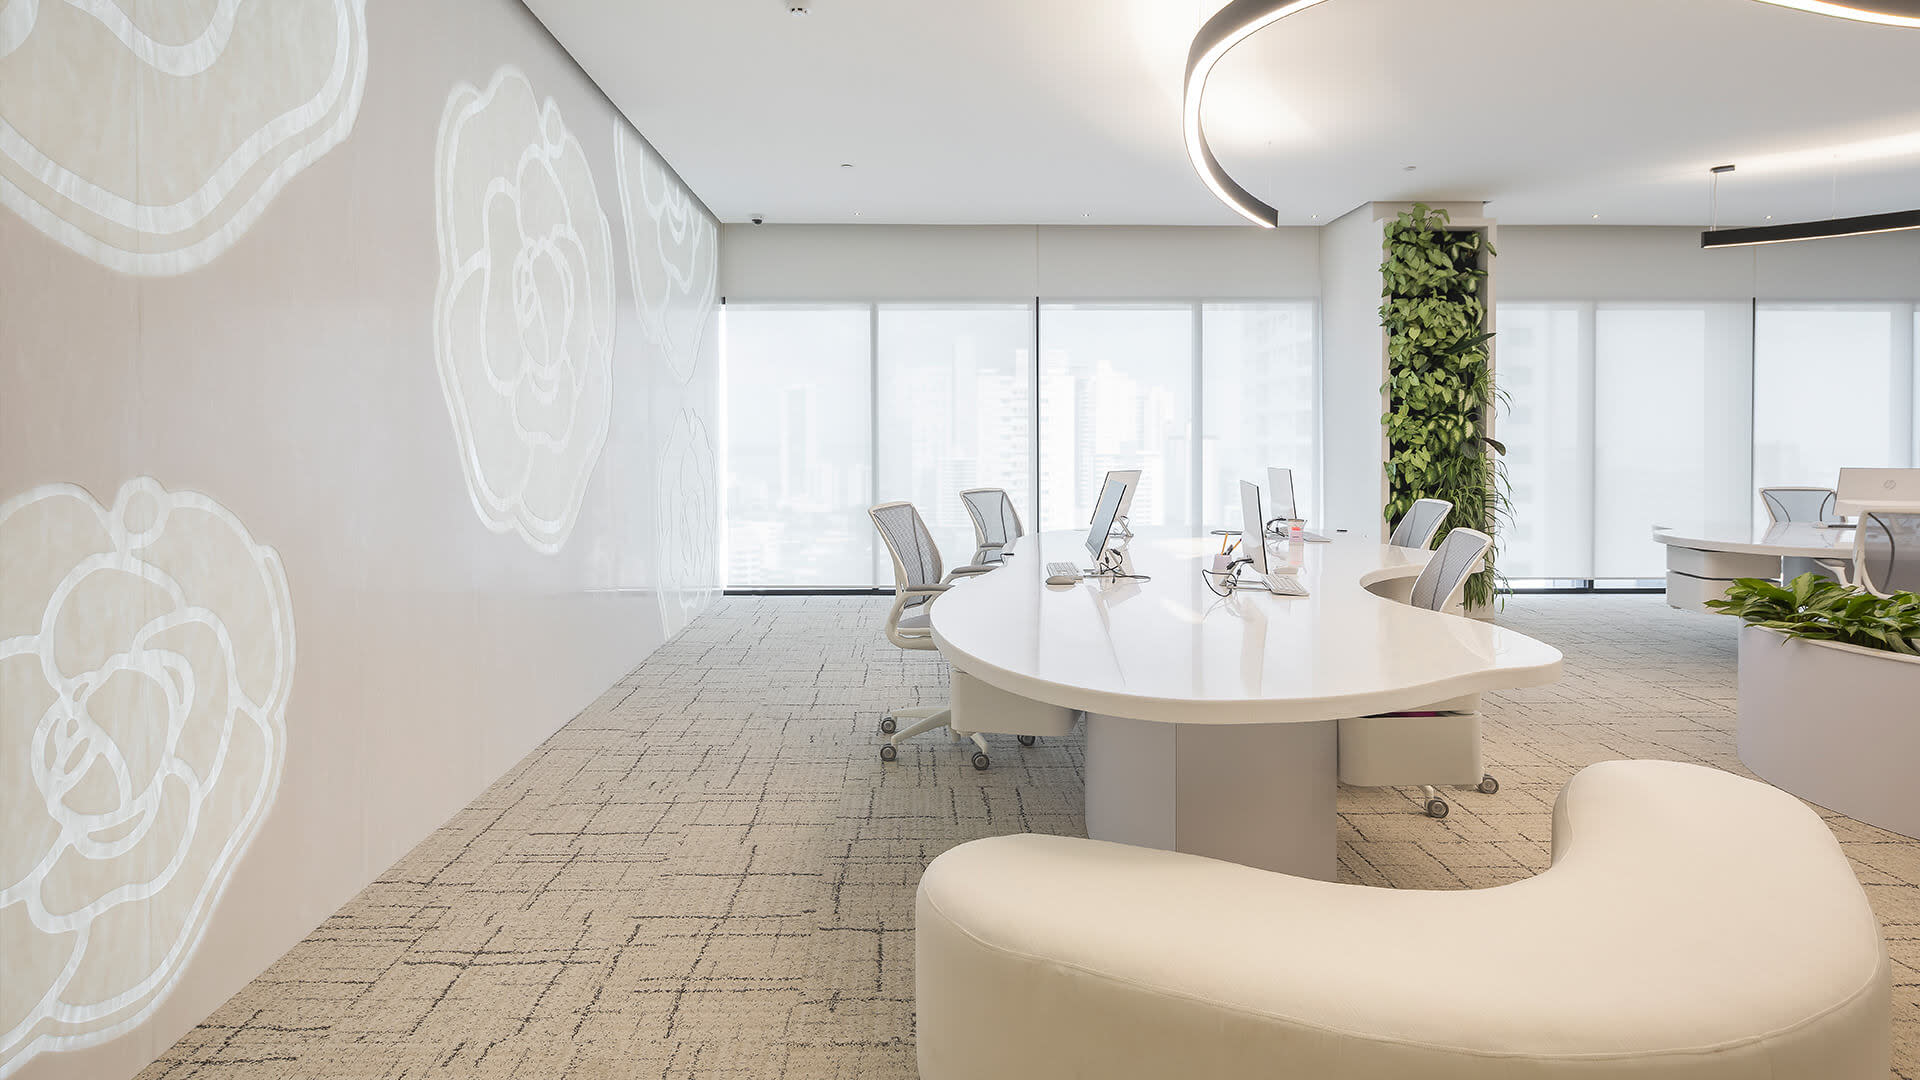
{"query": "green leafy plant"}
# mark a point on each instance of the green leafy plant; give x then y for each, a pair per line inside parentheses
(1440, 386)
(1814, 607)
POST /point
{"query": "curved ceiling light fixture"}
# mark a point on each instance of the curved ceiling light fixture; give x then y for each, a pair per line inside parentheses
(1241, 19)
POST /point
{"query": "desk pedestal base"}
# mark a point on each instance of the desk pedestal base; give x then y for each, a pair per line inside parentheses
(1695, 576)
(1256, 794)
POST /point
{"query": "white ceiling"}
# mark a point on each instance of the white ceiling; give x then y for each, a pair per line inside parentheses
(1067, 111)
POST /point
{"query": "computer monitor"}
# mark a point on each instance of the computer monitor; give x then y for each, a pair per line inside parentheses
(1253, 531)
(1864, 489)
(1280, 486)
(1130, 477)
(1113, 494)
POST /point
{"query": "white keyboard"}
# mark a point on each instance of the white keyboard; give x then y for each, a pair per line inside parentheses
(1283, 584)
(1064, 569)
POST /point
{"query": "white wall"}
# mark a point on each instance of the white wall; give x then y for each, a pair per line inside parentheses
(1013, 262)
(413, 582)
(1350, 372)
(1580, 262)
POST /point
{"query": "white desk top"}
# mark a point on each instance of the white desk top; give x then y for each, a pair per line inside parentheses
(1788, 539)
(1170, 650)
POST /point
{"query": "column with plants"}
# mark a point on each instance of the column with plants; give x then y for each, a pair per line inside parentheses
(1440, 388)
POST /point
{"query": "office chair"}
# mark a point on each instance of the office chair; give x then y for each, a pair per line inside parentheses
(1422, 520)
(996, 524)
(917, 583)
(1435, 746)
(1886, 552)
(1798, 504)
(1791, 504)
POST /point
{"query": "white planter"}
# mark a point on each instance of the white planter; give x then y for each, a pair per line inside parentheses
(1837, 725)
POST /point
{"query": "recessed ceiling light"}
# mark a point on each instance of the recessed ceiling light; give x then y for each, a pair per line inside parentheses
(799, 7)
(1596, 217)
(1408, 168)
(846, 164)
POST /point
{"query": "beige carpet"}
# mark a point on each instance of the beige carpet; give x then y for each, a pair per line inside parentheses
(710, 873)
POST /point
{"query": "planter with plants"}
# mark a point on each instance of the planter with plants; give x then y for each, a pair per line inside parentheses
(1830, 695)
(1440, 386)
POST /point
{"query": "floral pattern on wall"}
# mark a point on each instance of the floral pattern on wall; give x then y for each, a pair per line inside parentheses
(149, 137)
(687, 523)
(523, 321)
(673, 252)
(146, 653)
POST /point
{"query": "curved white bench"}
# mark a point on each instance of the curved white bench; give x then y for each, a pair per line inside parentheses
(1693, 924)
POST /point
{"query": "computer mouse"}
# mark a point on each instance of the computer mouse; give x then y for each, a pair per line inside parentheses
(1062, 579)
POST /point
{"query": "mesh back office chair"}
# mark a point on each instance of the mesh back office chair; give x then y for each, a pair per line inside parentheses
(996, 524)
(1798, 504)
(1443, 581)
(1886, 552)
(1440, 745)
(917, 582)
(1790, 504)
(1422, 520)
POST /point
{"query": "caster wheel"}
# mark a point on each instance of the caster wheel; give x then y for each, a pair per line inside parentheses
(1437, 808)
(888, 752)
(888, 725)
(1488, 785)
(1026, 740)
(980, 760)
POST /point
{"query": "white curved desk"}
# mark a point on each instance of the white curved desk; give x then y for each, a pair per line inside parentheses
(1209, 719)
(1702, 560)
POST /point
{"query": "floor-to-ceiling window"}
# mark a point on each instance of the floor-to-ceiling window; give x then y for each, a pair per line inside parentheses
(1618, 416)
(955, 395)
(1833, 386)
(1545, 368)
(1116, 392)
(1260, 404)
(1671, 426)
(833, 407)
(799, 443)
(1623, 415)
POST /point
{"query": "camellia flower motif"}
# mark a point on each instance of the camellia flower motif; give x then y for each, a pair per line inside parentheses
(146, 652)
(523, 323)
(672, 251)
(687, 522)
(177, 123)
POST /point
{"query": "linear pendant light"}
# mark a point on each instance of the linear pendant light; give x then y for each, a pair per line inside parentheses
(1241, 19)
(1811, 230)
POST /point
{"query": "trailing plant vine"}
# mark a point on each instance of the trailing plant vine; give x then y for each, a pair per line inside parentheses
(1440, 387)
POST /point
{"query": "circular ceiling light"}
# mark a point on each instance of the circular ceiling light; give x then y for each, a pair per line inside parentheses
(1884, 12)
(1241, 19)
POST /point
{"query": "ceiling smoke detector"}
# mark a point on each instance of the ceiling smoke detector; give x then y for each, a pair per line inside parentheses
(799, 7)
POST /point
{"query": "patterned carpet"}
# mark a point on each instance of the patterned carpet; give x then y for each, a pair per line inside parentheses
(710, 873)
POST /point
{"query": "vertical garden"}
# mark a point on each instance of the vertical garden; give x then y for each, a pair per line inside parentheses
(1440, 387)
